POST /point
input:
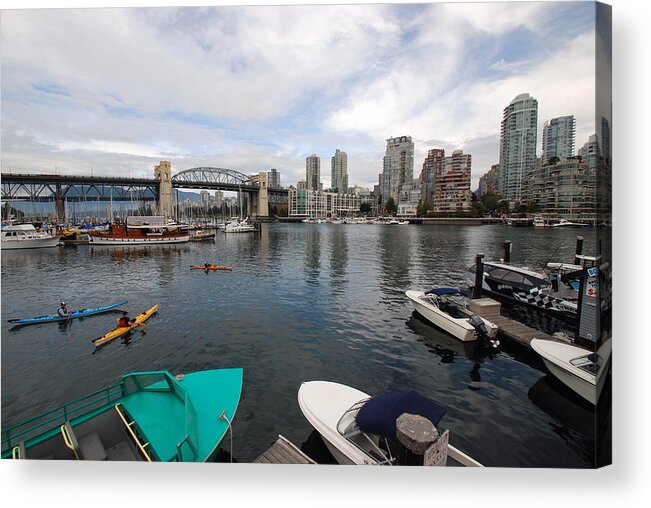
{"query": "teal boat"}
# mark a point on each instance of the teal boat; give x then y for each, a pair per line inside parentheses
(147, 416)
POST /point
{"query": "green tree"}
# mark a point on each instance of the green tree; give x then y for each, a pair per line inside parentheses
(532, 207)
(390, 206)
(422, 208)
(490, 200)
(365, 208)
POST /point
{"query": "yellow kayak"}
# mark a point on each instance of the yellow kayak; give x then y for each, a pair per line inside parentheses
(122, 330)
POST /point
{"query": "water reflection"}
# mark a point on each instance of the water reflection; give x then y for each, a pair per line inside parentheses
(313, 255)
(338, 259)
(395, 256)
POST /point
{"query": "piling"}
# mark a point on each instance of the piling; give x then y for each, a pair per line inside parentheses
(507, 251)
(419, 442)
(479, 276)
(578, 250)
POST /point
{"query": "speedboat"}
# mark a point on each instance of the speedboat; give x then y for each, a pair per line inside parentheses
(569, 224)
(239, 227)
(147, 416)
(26, 236)
(582, 370)
(360, 429)
(445, 308)
(539, 221)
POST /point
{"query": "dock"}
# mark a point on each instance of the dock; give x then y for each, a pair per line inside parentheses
(283, 451)
(508, 328)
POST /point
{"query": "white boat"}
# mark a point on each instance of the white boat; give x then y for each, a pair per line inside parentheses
(239, 227)
(393, 222)
(539, 221)
(569, 224)
(26, 236)
(333, 409)
(444, 307)
(580, 369)
(403, 222)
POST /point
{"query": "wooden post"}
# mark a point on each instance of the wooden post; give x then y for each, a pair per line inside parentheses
(578, 250)
(419, 442)
(479, 276)
(507, 251)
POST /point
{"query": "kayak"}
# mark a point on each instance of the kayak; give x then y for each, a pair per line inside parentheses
(212, 267)
(73, 315)
(123, 330)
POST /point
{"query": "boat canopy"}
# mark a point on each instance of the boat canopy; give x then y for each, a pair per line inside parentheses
(443, 291)
(378, 415)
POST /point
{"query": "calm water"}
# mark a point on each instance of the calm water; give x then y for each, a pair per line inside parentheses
(303, 302)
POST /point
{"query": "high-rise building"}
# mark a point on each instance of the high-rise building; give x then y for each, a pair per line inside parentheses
(517, 145)
(313, 172)
(432, 165)
(339, 172)
(558, 138)
(398, 166)
(452, 183)
(273, 177)
(488, 181)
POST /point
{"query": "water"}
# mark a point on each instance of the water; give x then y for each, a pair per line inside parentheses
(303, 302)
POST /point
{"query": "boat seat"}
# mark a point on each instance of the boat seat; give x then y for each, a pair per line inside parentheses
(89, 447)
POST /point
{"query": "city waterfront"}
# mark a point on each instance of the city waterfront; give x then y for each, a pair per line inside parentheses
(303, 302)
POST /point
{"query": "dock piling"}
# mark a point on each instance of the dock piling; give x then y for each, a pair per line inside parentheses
(507, 251)
(479, 276)
(578, 250)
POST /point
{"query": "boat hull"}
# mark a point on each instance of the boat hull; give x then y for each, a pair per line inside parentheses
(557, 356)
(102, 240)
(31, 243)
(121, 331)
(459, 328)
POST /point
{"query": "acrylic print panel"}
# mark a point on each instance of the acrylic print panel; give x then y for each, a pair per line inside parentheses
(325, 234)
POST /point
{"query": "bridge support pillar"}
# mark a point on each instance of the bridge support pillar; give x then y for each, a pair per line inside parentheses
(262, 208)
(59, 204)
(163, 173)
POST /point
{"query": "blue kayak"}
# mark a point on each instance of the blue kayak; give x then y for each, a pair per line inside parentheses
(73, 315)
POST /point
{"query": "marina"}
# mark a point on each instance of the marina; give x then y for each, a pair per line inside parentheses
(305, 301)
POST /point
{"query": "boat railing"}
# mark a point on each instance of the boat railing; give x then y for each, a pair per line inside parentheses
(190, 438)
(51, 420)
(129, 425)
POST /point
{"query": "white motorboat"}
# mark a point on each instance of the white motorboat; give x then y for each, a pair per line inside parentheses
(582, 370)
(445, 308)
(539, 221)
(26, 236)
(403, 222)
(360, 429)
(239, 227)
(569, 224)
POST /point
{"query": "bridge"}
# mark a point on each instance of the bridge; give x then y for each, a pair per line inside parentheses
(74, 188)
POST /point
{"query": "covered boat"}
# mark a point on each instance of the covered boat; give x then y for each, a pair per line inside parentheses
(147, 416)
(360, 429)
(141, 230)
(445, 308)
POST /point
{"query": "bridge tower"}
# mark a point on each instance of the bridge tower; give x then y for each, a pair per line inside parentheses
(163, 173)
(262, 210)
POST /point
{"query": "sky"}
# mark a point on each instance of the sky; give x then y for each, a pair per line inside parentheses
(113, 91)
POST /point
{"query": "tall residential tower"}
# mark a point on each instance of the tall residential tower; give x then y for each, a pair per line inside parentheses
(313, 173)
(558, 138)
(339, 172)
(517, 145)
(398, 166)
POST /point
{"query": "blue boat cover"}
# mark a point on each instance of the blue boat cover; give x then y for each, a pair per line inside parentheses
(378, 416)
(443, 291)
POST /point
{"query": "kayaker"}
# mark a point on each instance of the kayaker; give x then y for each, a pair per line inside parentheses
(63, 310)
(125, 320)
(206, 265)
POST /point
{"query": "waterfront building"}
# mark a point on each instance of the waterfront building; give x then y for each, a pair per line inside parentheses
(398, 166)
(518, 137)
(452, 184)
(339, 172)
(488, 181)
(273, 177)
(558, 138)
(322, 205)
(313, 172)
(410, 195)
(358, 190)
(432, 165)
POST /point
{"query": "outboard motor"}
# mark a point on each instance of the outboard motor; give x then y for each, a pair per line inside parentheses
(481, 331)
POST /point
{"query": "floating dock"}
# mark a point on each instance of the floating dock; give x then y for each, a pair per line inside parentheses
(283, 451)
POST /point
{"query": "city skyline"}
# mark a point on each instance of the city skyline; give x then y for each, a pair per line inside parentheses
(253, 99)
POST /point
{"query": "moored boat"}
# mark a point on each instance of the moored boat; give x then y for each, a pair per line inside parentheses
(239, 227)
(569, 224)
(445, 308)
(582, 370)
(123, 330)
(26, 236)
(141, 230)
(360, 429)
(72, 315)
(147, 416)
(201, 235)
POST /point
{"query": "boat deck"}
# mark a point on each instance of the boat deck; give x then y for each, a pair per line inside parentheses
(283, 451)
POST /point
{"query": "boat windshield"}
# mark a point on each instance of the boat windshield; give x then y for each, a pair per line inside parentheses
(376, 447)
